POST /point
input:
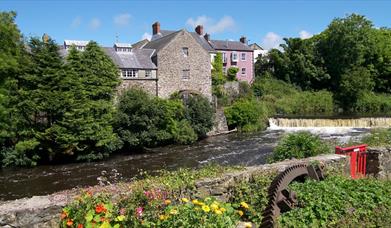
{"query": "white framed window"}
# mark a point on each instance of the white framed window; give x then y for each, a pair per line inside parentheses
(234, 56)
(185, 51)
(224, 57)
(243, 56)
(122, 49)
(148, 73)
(243, 71)
(129, 73)
(185, 75)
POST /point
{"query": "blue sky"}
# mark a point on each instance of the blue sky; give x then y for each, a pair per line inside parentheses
(263, 22)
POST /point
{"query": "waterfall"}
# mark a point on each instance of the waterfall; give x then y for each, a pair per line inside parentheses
(370, 122)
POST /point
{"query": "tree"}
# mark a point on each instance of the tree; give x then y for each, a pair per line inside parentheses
(200, 114)
(218, 78)
(231, 73)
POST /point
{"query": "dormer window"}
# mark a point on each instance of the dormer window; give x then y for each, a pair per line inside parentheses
(122, 47)
(80, 45)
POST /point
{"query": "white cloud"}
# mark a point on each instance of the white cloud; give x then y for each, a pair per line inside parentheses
(76, 22)
(122, 19)
(226, 23)
(146, 36)
(305, 34)
(272, 40)
(94, 23)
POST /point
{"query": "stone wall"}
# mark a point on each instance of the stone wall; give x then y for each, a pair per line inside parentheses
(379, 162)
(219, 124)
(44, 211)
(148, 85)
(171, 62)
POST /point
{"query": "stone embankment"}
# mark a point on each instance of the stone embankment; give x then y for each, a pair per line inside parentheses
(43, 211)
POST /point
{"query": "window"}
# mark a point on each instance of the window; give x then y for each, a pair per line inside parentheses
(129, 73)
(185, 74)
(243, 56)
(122, 49)
(224, 57)
(234, 56)
(243, 70)
(185, 51)
(148, 73)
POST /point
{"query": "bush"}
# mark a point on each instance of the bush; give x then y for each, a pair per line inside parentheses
(371, 103)
(183, 133)
(299, 145)
(200, 114)
(247, 115)
(378, 137)
(231, 73)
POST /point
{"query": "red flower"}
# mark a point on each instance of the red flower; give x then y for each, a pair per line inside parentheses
(139, 212)
(69, 222)
(80, 226)
(100, 208)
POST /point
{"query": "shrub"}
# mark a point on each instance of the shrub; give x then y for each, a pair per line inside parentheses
(299, 145)
(183, 133)
(200, 114)
(371, 103)
(231, 73)
(247, 115)
(378, 137)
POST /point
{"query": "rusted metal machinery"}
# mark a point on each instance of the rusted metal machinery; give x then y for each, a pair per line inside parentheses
(281, 199)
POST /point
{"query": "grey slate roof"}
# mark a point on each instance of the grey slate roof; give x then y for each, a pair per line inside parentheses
(161, 42)
(136, 59)
(229, 45)
(140, 44)
(200, 39)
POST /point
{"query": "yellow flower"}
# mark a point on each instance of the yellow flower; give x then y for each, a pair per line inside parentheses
(163, 217)
(167, 202)
(222, 209)
(218, 212)
(196, 208)
(240, 213)
(185, 200)
(173, 212)
(248, 225)
(121, 218)
(205, 208)
(244, 205)
(214, 206)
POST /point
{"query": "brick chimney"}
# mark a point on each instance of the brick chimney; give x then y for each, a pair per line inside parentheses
(207, 36)
(243, 39)
(156, 28)
(199, 30)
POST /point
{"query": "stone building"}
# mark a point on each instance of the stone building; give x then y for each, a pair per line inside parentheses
(183, 63)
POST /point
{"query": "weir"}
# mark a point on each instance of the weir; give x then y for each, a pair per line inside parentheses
(367, 122)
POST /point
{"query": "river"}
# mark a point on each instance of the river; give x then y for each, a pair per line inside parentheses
(232, 149)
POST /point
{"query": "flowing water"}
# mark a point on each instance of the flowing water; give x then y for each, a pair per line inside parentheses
(233, 149)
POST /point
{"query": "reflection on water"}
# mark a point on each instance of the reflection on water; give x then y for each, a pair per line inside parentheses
(233, 149)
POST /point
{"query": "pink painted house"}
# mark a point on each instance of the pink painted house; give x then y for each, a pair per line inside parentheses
(236, 54)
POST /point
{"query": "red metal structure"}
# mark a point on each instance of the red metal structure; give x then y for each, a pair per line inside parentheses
(358, 159)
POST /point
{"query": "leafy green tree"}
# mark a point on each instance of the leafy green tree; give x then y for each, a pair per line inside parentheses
(199, 112)
(381, 59)
(231, 73)
(218, 78)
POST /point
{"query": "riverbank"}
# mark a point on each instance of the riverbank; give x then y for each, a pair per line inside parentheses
(43, 211)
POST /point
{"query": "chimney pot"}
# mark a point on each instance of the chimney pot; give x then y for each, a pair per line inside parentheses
(199, 30)
(243, 40)
(156, 28)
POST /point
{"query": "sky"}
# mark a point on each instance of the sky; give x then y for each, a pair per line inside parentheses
(263, 22)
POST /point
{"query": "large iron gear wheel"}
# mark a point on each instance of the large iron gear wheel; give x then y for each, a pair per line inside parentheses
(280, 198)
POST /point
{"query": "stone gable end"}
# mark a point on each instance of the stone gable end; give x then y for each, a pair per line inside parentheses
(172, 61)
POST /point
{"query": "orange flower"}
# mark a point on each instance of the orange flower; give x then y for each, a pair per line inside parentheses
(100, 208)
(63, 215)
(69, 222)
(80, 226)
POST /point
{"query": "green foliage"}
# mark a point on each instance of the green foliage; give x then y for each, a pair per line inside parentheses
(351, 57)
(217, 70)
(183, 133)
(299, 145)
(378, 138)
(370, 103)
(199, 112)
(247, 115)
(339, 201)
(231, 73)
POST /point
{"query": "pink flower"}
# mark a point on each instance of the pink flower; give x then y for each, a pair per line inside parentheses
(122, 211)
(139, 212)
